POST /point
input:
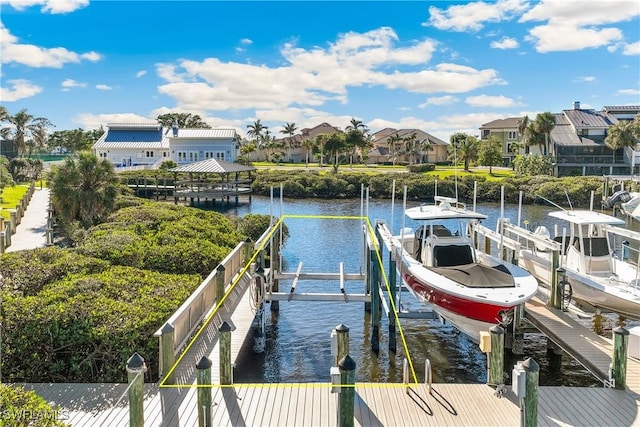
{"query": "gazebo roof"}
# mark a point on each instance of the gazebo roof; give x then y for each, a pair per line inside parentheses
(213, 166)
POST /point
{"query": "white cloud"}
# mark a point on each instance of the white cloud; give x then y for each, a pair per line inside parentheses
(103, 87)
(246, 41)
(36, 56)
(50, 6)
(574, 25)
(472, 16)
(18, 89)
(141, 73)
(439, 100)
(628, 92)
(68, 84)
(586, 79)
(632, 48)
(505, 43)
(559, 38)
(312, 77)
(491, 101)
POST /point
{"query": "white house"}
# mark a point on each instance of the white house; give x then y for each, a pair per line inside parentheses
(149, 144)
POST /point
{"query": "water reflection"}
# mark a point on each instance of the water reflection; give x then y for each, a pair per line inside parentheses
(298, 345)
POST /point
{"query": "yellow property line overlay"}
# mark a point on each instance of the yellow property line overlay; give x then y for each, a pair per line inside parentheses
(267, 238)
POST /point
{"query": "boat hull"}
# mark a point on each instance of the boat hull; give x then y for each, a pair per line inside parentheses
(605, 297)
(468, 316)
(598, 291)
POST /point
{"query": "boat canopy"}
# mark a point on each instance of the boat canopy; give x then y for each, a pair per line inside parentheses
(441, 212)
(584, 217)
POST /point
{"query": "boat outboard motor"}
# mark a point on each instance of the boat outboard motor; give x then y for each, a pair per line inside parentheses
(616, 199)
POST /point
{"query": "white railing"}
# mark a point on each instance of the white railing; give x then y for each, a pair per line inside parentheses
(193, 311)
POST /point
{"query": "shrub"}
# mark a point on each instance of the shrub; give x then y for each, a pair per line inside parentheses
(422, 167)
(83, 328)
(20, 407)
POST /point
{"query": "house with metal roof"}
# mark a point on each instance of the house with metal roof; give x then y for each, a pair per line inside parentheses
(147, 145)
(578, 139)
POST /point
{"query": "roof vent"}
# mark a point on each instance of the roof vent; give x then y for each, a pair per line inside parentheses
(576, 105)
(174, 126)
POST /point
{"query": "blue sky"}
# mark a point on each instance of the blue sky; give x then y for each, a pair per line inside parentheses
(441, 66)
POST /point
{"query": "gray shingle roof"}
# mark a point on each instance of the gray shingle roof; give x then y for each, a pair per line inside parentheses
(213, 166)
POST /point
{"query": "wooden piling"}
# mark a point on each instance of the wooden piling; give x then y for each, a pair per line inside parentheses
(342, 332)
(347, 391)
(220, 283)
(167, 344)
(226, 370)
(368, 269)
(13, 220)
(135, 375)
(496, 356)
(530, 402)
(620, 344)
(203, 376)
(392, 297)
(487, 245)
(375, 304)
(557, 275)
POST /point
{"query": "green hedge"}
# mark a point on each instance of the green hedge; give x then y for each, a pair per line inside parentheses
(163, 237)
(83, 328)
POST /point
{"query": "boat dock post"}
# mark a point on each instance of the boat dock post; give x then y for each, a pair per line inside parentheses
(495, 376)
(375, 293)
(392, 298)
(619, 363)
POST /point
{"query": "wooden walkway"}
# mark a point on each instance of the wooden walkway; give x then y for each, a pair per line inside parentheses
(313, 404)
(590, 349)
(239, 314)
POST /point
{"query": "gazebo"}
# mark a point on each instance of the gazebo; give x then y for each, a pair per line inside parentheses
(211, 179)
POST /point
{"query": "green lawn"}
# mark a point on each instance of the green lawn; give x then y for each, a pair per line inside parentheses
(446, 171)
(11, 196)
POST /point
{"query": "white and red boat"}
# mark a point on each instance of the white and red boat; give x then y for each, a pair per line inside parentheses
(442, 268)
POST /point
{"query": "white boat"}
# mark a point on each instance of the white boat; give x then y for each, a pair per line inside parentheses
(597, 275)
(633, 203)
(441, 267)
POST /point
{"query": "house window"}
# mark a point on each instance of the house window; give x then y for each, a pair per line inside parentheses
(102, 155)
(182, 156)
(512, 134)
(584, 132)
(149, 154)
(193, 156)
(165, 154)
(486, 133)
(220, 155)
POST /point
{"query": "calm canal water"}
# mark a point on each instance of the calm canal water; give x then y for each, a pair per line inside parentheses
(298, 345)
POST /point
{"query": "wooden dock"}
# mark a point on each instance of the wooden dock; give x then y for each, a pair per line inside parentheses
(312, 404)
(238, 313)
(593, 351)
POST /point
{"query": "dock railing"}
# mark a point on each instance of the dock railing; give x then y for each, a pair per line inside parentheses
(186, 319)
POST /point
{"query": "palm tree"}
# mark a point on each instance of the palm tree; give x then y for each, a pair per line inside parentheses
(308, 144)
(23, 125)
(83, 189)
(463, 148)
(392, 141)
(621, 135)
(545, 122)
(534, 136)
(356, 125)
(410, 146)
(256, 130)
(289, 129)
(425, 145)
(523, 126)
(335, 144)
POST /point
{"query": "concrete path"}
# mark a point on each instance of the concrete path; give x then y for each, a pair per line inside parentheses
(31, 232)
